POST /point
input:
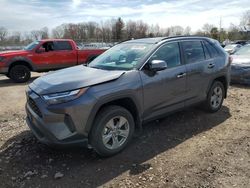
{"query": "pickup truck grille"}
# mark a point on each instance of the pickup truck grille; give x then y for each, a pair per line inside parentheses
(34, 107)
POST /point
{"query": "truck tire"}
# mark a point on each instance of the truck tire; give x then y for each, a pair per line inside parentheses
(19, 73)
(215, 97)
(112, 130)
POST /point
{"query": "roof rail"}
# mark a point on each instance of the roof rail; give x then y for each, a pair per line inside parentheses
(177, 36)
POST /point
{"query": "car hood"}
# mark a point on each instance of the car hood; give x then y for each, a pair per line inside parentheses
(11, 53)
(72, 78)
(241, 60)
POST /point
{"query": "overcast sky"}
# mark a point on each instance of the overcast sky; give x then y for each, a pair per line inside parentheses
(25, 15)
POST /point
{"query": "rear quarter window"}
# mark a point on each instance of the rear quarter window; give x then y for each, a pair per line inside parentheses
(211, 49)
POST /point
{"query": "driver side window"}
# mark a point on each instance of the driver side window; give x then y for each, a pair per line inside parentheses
(170, 53)
(47, 47)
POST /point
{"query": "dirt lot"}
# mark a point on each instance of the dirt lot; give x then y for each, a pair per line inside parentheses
(188, 149)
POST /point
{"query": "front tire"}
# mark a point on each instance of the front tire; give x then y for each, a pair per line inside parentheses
(19, 73)
(112, 130)
(215, 97)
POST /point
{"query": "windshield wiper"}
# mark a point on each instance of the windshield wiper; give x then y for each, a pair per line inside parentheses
(96, 67)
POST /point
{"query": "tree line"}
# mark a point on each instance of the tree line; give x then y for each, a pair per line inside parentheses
(117, 30)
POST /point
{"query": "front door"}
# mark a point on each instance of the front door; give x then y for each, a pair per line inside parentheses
(165, 90)
(44, 57)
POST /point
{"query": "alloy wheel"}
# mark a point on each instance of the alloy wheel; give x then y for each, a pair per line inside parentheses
(216, 97)
(116, 132)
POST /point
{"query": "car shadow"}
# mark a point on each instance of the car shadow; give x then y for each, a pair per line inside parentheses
(6, 82)
(244, 86)
(84, 168)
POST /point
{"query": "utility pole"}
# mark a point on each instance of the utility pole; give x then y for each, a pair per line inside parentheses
(220, 30)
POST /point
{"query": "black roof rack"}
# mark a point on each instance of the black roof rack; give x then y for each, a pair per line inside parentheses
(178, 36)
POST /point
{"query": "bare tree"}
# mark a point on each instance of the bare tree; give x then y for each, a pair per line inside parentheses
(106, 30)
(15, 38)
(116, 30)
(141, 29)
(44, 33)
(176, 30)
(91, 29)
(245, 20)
(187, 30)
(207, 28)
(36, 34)
(58, 32)
(233, 32)
(199, 33)
(3, 33)
(130, 29)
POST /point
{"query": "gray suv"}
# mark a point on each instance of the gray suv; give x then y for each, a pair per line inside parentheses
(101, 105)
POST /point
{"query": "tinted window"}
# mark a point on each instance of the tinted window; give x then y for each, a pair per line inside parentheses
(62, 45)
(207, 54)
(169, 53)
(48, 46)
(213, 52)
(193, 51)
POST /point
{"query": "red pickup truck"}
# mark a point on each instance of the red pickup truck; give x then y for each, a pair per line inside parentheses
(44, 55)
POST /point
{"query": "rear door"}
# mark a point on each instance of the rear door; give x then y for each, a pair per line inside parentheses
(199, 65)
(64, 55)
(165, 90)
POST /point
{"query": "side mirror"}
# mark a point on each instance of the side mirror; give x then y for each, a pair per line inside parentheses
(40, 50)
(157, 65)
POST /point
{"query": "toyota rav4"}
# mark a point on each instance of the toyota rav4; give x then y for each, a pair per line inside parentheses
(101, 105)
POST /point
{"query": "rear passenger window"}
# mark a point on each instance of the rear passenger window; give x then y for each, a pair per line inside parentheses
(62, 45)
(213, 52)
(193, 51)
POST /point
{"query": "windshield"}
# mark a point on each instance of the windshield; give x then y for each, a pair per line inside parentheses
(230, 46)
(31, 46)
(124, 56)
(245, 50)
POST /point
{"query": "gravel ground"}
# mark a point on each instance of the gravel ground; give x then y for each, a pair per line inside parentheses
(188, 149)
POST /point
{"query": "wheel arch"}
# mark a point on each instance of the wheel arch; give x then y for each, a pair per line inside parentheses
(21, 61)
(125, 102)
(221, 79)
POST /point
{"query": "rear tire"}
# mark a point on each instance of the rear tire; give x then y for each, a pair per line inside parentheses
(19, 73)
(215, 97)
(112, 130)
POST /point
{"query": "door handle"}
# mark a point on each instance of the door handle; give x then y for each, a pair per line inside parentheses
(181, 75)
(211, 65)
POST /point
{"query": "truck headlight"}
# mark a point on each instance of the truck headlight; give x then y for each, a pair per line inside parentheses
(63, 97)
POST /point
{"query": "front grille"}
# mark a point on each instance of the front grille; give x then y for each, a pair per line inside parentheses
(34, 107)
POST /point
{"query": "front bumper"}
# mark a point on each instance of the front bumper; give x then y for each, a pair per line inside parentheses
(60, 125)
(240, 75)
(3, 68)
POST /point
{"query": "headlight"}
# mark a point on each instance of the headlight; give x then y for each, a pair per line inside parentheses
(1, 58)
(62, 97)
